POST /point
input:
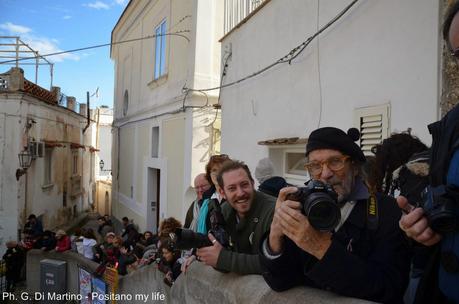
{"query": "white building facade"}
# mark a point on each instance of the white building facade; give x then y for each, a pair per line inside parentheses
(163, 134)
(55, 186)
(377, 68)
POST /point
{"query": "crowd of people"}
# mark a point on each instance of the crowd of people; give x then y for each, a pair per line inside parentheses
(380, 228)
(124, 251)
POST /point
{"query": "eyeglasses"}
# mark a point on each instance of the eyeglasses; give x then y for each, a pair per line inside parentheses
(335, 163)
(202, 187)
(219, 156)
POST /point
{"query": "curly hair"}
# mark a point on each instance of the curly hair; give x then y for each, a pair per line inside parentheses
(391, 154)
(167, 226)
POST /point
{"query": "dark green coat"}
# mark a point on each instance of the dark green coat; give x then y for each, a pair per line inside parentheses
(246, 235)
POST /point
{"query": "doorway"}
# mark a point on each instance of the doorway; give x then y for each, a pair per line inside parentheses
(153, 199)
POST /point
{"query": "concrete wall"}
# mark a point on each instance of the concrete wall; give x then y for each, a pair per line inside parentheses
(201, 284)
(380, 52)
(73, 259)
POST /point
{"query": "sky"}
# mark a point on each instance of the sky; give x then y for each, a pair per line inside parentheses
(50, 26)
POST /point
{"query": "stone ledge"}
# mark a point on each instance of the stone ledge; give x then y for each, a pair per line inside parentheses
(201, 284)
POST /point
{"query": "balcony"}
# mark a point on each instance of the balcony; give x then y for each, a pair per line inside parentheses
(238, 12)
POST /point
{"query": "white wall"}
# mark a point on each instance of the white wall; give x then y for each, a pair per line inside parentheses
(182, 147)
(379, 52)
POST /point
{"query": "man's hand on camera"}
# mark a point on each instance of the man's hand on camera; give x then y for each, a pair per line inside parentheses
(209, 255)
(296, 227)
(276, 235)
(415, 224)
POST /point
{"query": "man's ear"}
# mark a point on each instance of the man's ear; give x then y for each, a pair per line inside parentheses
(222, 192)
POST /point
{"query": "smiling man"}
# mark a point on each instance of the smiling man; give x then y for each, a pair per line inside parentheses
(248, 215)
(364, 256)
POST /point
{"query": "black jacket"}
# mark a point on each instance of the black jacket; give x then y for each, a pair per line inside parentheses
(365, 263)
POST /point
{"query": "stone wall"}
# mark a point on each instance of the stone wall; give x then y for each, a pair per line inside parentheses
(449, 70)
(201, 284)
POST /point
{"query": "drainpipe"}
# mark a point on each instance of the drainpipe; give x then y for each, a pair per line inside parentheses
(89, 119)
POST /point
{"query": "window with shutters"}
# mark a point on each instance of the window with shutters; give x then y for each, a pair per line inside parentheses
(373, 124)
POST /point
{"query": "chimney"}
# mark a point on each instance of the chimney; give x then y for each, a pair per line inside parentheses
(83, 109)
(71, 103)
(57, 93)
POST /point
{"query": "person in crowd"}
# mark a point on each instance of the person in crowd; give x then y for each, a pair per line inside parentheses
(268, 183)
(101, 250)
(169, 263)
(108, 220)
(89, 241)
(435, 224)
(47, 241)
(145, 240)
(395, 153)
(166, 227)
(14, 258)
(149, 256)
(201, 185)
(247, 213)
(34, 226)
(130, 233)
(108, 253)
(126, 258)
(28, 241)
(76, 240)
(212, 199)
(62, 241)
(104, 226)
(364, 256)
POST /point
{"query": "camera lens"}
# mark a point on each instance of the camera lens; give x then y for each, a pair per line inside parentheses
(322, 212)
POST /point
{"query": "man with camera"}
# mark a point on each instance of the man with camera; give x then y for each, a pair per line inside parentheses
(436, 224)
(248, 214)
(358, 251)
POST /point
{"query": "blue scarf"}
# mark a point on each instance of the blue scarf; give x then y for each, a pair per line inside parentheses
(201, 226)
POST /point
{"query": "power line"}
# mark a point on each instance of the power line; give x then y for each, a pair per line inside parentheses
(287, 58)
(177, 33)
(292, 54)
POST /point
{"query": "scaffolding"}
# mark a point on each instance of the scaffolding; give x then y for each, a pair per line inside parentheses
(17, 53)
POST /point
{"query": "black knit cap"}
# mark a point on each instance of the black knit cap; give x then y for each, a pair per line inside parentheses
(336, 139)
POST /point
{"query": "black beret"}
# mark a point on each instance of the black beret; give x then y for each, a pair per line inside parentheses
(336, 139)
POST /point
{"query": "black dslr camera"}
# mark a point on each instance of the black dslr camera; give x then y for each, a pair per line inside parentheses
(440, 209)
(320, 205)
(185, 239)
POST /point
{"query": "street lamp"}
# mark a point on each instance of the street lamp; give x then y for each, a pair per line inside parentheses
(101, 165)
(25, 160)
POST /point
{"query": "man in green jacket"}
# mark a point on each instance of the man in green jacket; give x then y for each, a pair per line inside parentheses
(248, 215)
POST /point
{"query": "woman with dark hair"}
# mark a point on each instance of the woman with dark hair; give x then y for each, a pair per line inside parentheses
(394, 152)
(402, 164)
(169, 263)
(168, 226)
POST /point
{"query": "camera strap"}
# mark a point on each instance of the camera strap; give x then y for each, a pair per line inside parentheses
(372, 212)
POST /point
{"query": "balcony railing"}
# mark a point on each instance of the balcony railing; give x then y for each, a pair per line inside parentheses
(237, 10)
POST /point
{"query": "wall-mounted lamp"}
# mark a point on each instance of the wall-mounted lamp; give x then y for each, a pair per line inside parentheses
(101, 165)
(25, 160)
